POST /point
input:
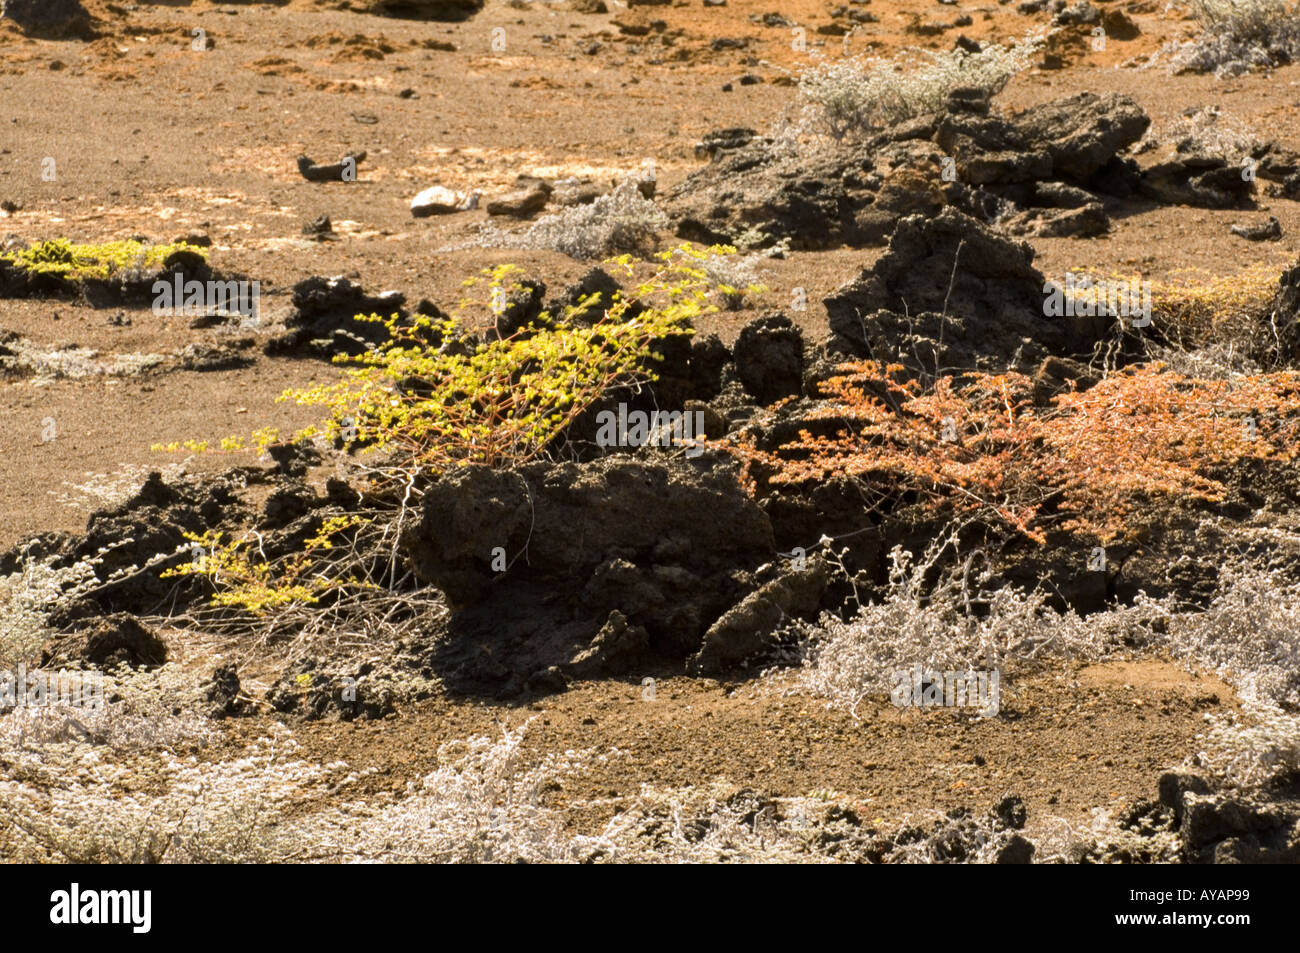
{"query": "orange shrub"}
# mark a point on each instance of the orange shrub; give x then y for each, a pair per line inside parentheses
(975, 444)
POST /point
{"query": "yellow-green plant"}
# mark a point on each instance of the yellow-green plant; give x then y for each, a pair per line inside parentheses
(504, 401)
(246, 581)
(71, 260)
(1195, 308)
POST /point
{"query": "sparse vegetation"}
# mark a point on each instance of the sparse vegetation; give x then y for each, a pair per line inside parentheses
(855, 96)
(608, 556)
(71, 260)
(977, 445)
(1195, 309)
(1249, 634)
(247, 582)
(482, 804)
(28, 596)
(69, 804)
(1210, 132)
(504, 401)
(623, 221)
(1255, 749)
(1238, 36)
(734, 276)
(104, 491)
(935, 624)
(20, 358)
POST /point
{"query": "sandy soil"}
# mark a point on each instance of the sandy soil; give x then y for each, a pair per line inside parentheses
(1091, 736)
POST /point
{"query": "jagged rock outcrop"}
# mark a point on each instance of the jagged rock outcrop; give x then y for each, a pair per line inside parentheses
(561, 571)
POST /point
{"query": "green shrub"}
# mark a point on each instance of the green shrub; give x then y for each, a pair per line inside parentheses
(74, 261)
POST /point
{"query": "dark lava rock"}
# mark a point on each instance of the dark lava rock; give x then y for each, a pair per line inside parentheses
(522, 308)
(149, 528)
(1086, 221)
(1011, 813)
(41, 546)
(769, 358)
(342, 171)
(532, 183)
(135, 542)
(222, 692)
(854, 193)
(215, 357)
(324, 323)
(719, 141)
(1273, 161)
(307, 690)
(106, 642)
(442, 10)
(616, 649)
(536, 562)
(48, 19)
(1082, 133)
(321, 227)
(577, 192)
(1198, 181)
(1285, 313)
(990, 150)
(598, 288)
(521, 203)
(708, 357)
(1016, 849)
(1174, 786)
(1269, 231)
(746, 630)
(293, 459)
(288, 502)
(959, 837)
(1256, 830)
(753, 191)
(949, 293)
(572, 519)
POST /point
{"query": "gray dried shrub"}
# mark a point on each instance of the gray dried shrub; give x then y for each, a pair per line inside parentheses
(1252, 751)
(932, 624)
(67, 803)
(1238, 36)
(620, 222)
(857, 95)
(1249, 634)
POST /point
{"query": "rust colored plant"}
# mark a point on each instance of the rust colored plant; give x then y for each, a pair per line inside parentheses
(977, 445)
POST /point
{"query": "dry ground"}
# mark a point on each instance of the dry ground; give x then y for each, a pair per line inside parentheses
(151, 138)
